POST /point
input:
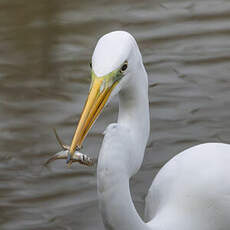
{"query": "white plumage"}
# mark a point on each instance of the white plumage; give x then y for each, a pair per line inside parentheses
(191, 192)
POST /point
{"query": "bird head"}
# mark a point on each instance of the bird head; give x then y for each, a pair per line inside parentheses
(113, 61)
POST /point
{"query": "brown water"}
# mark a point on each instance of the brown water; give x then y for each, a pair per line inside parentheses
(45, 48)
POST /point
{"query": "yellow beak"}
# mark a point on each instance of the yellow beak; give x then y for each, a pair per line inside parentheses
(98, 96)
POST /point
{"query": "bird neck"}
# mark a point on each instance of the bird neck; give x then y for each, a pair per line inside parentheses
(134, 103)
(134, 114)
(121, 156)
(116, 205)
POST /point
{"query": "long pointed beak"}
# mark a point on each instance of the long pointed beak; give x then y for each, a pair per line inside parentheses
(98, 96)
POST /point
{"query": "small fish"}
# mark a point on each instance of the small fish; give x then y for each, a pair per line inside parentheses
(64, 154)
(77, 157)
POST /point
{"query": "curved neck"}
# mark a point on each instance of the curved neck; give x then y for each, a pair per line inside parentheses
(121, 156)
(116, 205)
(134, 114)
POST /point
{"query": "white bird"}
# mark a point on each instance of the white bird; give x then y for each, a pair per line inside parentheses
(191, 192)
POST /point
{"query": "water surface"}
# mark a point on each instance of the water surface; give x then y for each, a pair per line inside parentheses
(44, 79)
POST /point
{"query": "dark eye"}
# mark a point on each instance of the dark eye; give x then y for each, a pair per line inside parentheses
(90, 65)
(124, 67)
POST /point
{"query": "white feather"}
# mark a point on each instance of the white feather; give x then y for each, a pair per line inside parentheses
(191, 192)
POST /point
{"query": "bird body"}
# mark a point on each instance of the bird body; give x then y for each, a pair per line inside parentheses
(191, 192)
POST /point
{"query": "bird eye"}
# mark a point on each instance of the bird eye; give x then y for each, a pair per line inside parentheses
(124, 67)
(90, 64)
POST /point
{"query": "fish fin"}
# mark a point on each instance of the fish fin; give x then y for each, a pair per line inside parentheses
(64, 147)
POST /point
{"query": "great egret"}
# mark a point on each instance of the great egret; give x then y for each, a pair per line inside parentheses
(191, 192)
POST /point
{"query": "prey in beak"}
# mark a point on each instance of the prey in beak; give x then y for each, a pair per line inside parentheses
(99, 94)
(77, 156)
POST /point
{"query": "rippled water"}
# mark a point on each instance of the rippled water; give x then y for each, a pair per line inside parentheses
(44, 78)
